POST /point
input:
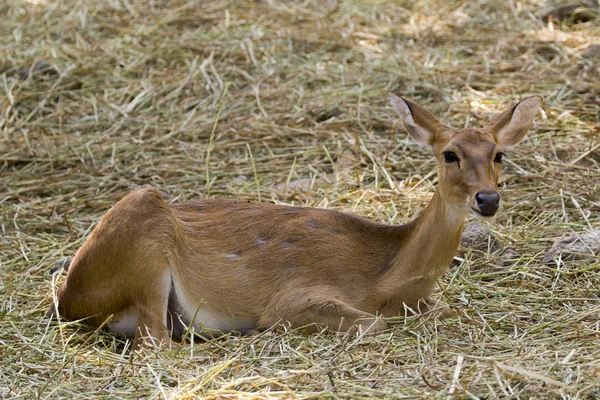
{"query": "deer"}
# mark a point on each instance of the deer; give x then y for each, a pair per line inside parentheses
(155, 270)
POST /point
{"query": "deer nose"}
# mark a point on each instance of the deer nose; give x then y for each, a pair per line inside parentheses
(488, 202)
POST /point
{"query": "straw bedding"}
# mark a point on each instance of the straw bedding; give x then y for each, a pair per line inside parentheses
(284, 101)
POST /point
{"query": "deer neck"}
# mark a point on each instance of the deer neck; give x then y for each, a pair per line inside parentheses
(432, 241)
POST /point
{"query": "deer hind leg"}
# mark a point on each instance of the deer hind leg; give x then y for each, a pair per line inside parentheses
(122, 305)
(151, 307)
(123, 269)
(314, 311)
(151, 327)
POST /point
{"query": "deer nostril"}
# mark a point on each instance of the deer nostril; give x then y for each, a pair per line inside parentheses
(488, 202)
(489, 197)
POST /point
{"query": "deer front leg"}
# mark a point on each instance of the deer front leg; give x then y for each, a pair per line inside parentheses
(313, 311)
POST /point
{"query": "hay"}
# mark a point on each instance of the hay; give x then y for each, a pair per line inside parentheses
(285, 101)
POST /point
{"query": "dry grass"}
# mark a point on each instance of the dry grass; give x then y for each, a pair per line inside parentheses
(186, 96)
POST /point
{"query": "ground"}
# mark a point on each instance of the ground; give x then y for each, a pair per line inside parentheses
(285, 102)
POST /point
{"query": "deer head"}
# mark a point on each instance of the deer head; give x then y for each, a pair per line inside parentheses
(469, 158)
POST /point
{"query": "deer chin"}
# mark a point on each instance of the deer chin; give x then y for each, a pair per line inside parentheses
(482, 217)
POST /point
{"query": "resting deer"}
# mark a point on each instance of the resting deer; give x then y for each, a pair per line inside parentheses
(222, 265)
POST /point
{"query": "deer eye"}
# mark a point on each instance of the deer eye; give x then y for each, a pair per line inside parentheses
(450, 156)
(498, 157)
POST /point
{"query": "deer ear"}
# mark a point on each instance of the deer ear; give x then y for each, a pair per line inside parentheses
(511, 126)
(421, 125)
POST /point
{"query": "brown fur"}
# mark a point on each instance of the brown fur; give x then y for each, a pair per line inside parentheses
(228, 265)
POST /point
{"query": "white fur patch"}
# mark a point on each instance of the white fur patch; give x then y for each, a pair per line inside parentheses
(204, 317)
(125, 322)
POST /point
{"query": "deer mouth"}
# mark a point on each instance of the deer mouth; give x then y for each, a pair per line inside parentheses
(483, 216)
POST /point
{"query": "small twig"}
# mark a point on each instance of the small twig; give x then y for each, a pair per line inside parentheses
(254, 169)
(210, 141)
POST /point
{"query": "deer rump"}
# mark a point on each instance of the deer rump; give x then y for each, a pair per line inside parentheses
(222, 265)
